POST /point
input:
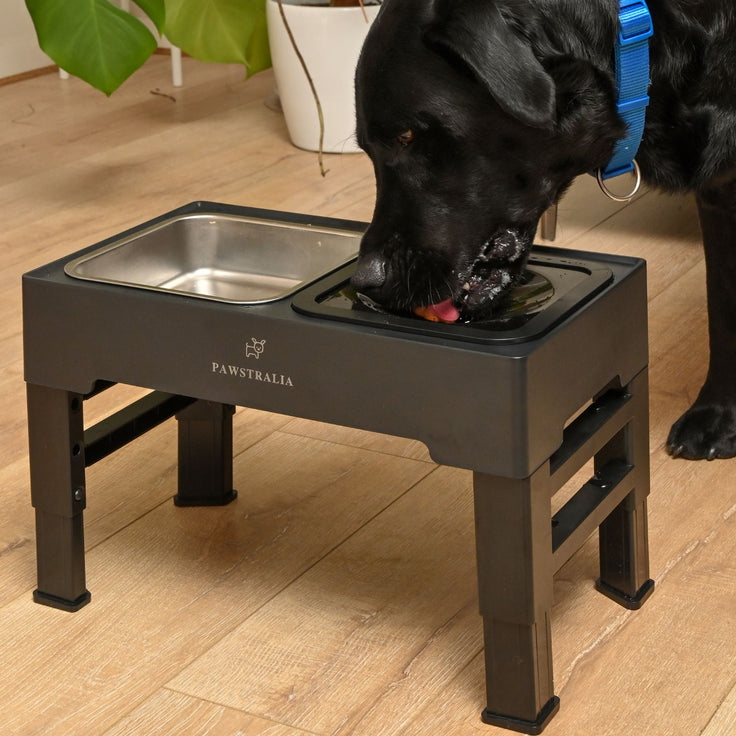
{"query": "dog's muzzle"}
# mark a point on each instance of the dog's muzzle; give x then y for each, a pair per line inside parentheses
(476, 289)
(370, 273)
(483, 284)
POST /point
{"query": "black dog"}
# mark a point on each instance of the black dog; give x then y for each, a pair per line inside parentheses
(478, 114)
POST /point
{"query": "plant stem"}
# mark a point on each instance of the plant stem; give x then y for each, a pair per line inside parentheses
(350, 4)
(311, 86)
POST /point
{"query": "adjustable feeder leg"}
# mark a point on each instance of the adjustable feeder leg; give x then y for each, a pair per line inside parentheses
(623, 535)
(515, 579)
(548, 223)
(205, 455)
(56, 450)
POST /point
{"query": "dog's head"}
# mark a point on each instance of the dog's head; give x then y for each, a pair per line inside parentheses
(475, 125)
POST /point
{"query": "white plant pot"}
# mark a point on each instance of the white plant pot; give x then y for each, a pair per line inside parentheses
(330, 40)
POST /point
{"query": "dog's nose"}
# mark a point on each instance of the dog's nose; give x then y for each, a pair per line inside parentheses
(370, 273)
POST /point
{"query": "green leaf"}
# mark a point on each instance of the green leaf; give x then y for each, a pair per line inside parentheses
(155, 10)
(220, 31)
(92, 39)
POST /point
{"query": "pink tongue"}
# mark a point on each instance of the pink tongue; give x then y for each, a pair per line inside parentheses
(441, 312)
(446, 311)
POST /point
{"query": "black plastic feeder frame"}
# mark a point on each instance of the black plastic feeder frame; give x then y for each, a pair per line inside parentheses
(515, 394)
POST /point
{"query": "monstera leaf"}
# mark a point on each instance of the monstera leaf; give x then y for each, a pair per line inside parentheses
(94, 39)
(221, 30)
(103, 45)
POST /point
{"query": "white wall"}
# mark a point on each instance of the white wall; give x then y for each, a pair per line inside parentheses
(19, 50)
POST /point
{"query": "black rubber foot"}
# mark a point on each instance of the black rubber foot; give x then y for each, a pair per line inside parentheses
(520, 725)
(45, 599)
(633, 603)
(205, 500)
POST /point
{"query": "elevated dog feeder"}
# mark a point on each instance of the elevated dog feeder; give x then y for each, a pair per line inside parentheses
(233, 298)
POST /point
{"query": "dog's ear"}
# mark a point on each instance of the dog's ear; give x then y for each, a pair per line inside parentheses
(476, 33)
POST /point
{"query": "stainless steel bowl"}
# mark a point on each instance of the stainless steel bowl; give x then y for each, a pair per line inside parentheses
(223, 257)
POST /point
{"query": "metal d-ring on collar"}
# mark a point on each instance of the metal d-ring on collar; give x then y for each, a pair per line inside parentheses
(616, 197)
(632, 84)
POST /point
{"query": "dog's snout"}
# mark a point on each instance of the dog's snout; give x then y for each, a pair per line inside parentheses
(370, 273)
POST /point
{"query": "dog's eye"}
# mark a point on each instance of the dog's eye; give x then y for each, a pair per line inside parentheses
(406, 137)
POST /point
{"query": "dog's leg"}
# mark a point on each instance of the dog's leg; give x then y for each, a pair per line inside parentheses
(708, 428)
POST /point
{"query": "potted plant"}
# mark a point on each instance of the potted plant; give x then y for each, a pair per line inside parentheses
(102, 44)
(314, 47)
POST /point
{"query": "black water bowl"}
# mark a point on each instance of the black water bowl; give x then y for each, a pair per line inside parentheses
(551, 289)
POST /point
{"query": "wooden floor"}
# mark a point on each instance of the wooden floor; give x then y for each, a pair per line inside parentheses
(337, 594)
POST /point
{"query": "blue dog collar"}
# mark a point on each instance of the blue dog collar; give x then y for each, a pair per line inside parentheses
(632, 84)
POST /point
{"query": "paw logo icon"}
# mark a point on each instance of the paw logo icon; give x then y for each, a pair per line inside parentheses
(255, 348)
